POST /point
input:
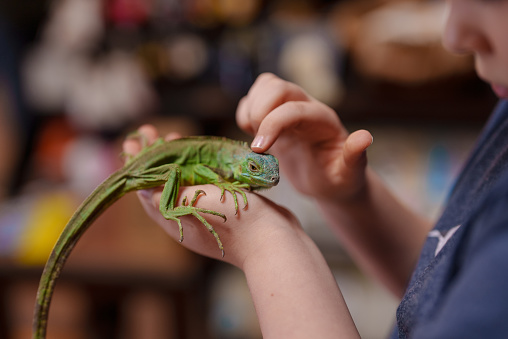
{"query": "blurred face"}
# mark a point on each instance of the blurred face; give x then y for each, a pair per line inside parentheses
(480, 28)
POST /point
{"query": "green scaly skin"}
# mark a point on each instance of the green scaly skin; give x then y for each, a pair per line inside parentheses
(228, 164)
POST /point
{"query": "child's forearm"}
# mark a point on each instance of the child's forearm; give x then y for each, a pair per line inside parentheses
(380, 233)
(294, 292)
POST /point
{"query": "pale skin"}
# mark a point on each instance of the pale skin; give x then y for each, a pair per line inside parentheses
(295, 294)
(285, 271)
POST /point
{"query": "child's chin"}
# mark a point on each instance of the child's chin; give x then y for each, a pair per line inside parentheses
(500, 91)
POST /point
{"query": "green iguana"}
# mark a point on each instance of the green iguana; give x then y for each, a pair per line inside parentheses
(228, 164)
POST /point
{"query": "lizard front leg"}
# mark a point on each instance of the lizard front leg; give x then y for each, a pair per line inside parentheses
(171, 174)
(232, 187)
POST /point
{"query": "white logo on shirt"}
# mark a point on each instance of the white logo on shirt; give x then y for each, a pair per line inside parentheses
(442, 238)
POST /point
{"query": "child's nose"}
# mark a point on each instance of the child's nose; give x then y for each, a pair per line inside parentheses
(462, 34)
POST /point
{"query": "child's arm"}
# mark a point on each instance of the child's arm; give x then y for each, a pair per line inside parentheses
(294, 292)
(324, 161)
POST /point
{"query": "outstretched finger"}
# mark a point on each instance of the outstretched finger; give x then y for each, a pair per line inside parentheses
(306, 119)
(355, 148)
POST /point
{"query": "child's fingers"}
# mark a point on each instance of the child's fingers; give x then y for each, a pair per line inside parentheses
(284, 117)
(149, 132)
(172, 136)
(267, 93)
(243, 116)
(133, 146)
(307, 120)
(355, 147)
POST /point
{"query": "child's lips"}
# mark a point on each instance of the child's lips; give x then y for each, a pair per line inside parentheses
(501, 91)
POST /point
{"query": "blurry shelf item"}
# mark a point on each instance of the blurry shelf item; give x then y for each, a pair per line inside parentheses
(399, 42)
(122, 254)
(198, 58)
(103, 304)
(463, 99)
(397, 68)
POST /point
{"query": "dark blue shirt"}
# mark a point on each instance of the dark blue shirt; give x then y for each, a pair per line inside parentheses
(459, 288)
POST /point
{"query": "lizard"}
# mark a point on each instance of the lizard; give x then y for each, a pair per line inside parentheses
(228, 164)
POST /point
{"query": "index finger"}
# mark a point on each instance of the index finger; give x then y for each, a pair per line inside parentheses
(132, 146)
(267, 93)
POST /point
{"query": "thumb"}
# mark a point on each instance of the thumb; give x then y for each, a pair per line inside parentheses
(355, 148)
(150, 199)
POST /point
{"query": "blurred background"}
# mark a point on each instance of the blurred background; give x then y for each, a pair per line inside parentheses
(77, 75)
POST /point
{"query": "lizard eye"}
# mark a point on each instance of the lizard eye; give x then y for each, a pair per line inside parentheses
(253, 167)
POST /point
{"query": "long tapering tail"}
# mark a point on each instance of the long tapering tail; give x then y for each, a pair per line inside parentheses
(100, 199)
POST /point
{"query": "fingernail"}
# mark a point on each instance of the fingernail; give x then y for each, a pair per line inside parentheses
(257, 142)
(145, 194)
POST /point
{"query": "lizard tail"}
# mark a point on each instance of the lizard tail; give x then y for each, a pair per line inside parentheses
(46, 286)
(84, 216)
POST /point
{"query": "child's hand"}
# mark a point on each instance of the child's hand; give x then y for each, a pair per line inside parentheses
(314, 149)
(243, 235)
(287, 275)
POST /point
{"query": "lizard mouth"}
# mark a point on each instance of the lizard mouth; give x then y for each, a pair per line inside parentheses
(265, 182)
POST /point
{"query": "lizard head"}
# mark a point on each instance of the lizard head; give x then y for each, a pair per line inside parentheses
(259, 170)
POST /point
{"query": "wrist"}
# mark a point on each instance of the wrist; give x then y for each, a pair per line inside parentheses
(262, 235)
(355, 199)
(290, 283)
(274, 242)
